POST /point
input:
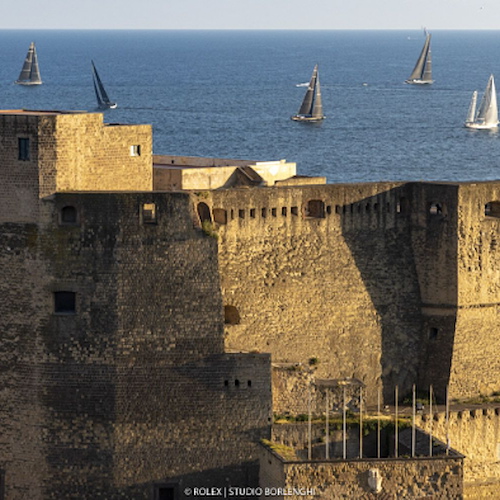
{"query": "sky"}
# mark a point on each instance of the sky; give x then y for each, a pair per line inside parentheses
(250, 14)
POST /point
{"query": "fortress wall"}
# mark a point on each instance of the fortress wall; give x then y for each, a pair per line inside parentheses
(342, 288)
(19, 181)
(476, 433)
(92, 156)
(131, 389)
(475, 362)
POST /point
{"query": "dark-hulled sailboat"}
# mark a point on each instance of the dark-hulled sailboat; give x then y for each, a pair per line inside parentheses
(103, 101)
(311, 109)
(30, 74)
(422, 72)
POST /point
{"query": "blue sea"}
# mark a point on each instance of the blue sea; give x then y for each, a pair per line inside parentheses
(231, 94)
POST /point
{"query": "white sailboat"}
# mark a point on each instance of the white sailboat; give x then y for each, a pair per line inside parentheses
(30, 74)
(422, 72)
(103, 101)
(487, 114)
(311, 109)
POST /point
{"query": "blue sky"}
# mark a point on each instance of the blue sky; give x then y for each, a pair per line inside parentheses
(250, 14)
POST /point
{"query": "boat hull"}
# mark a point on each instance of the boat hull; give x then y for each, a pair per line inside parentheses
(28, 84)
(480, 126)
(309, 119)
(419, 82)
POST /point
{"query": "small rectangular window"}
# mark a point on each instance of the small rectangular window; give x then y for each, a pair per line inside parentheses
(149, 213)
(135, 150)
(252, 213)
(264, 213)
(241, 214)
(24, 148)
(64, 302)
(283, 211)
(294, 210)
(273, 212)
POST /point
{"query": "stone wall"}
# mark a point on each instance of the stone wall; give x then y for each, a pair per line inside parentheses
(476, 433)
(401, 478)
(134, 389)
(342, 288)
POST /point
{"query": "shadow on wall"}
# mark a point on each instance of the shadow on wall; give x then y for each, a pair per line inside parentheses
(404, 243)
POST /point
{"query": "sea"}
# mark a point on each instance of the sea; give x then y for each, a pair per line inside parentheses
(231, 94)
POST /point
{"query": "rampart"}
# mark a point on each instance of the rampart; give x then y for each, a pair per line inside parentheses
(128, 386)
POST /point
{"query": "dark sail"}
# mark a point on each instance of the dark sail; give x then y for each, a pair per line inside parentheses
(427, 75)
(35, 70)
(317, 109)
(418, 71)
(307, 103)
(103, 100)
(30, 74)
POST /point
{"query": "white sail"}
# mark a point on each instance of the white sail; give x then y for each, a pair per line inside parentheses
(472, 108)
(487, 114)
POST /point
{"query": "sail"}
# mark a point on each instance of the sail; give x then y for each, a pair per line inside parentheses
(99, 100)
(427, 75)
(418, 70)
(472, 108)
(104, 95)
(488, 110)
(317, 109)
(35, 70)
(307, 103)
(24, 76)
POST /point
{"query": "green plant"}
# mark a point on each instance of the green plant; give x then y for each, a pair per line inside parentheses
(202, 194)
(287, 452)
(209, 229)
(313, 361)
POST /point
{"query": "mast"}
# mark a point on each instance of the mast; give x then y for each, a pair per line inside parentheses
(307, 103)
(317, 108)
(418, 70)
(35, 70)
(472, 108)
(99, 100)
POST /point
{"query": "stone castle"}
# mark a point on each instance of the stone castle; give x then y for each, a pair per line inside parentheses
(157, 310)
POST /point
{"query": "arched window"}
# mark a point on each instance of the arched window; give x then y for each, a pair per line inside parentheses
(69, 215)
(204, 212)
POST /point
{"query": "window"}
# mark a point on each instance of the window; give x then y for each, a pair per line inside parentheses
(264, 212)
(329, 209)
(283, 211)
(368, 208)
(220, 216)
(315, 209)
(492, 209)
(24, 148)
(149, 213)
(231, 315)
(294, 211)
(166, 492)
(237, 383)
(252, 213)
(433, 333)
(249, 383)
(64, 302)
(436, 209)
(68, 215)
(338, 210)
(241, 214)
(135, 150)
(273, 212)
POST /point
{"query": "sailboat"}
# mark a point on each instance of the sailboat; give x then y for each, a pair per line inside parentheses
(103, 101)
(422, 72)
(30, 74)
(311, 109)
(487, 114)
